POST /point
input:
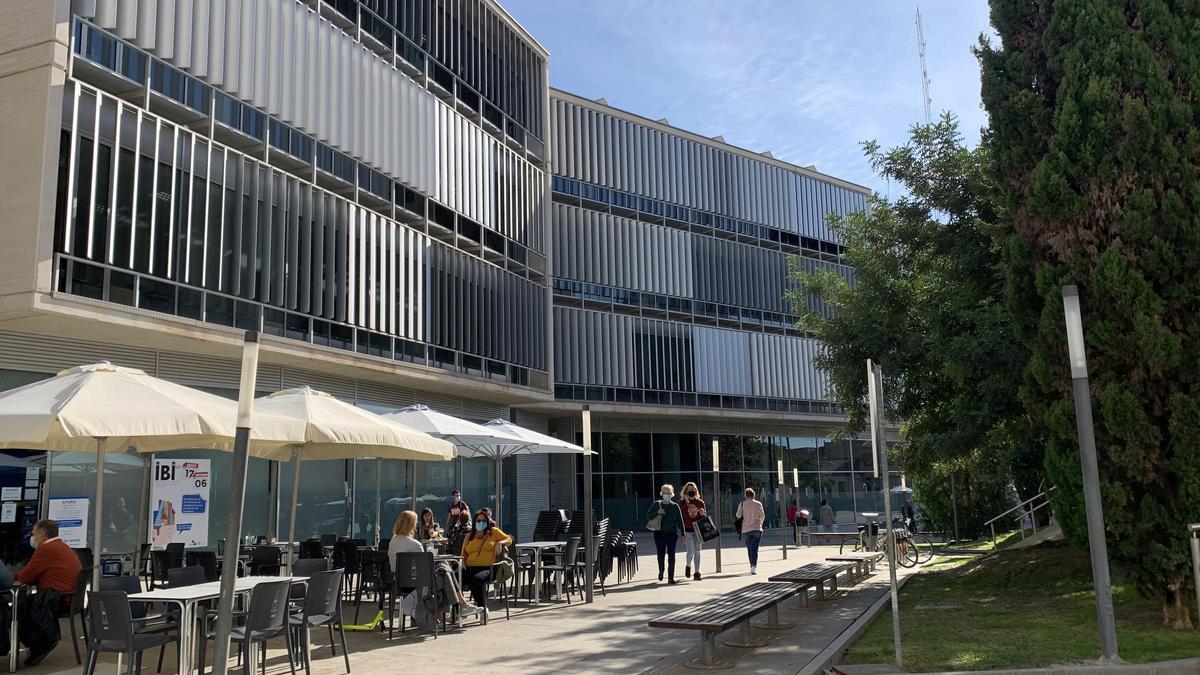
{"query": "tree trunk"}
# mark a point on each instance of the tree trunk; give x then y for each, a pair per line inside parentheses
(1176, 612)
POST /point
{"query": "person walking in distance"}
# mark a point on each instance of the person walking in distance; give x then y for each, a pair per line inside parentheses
(693, 508)
(753, 516)
(666, 521)
(826, 516)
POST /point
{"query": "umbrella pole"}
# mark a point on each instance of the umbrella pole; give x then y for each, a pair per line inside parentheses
(295, 497)
(99, 512)
(413, 482)
(143, 511)
(499, 486)
(378, 499)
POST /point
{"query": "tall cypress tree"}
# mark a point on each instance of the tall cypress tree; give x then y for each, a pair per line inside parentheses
(1093, 109)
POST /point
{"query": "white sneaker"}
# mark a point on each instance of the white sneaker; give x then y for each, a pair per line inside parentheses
(467, 609)
(753, 570)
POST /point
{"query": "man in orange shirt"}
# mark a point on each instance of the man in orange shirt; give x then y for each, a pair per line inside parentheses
(53, 567)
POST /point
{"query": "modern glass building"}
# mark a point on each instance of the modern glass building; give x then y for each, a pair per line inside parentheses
(390, 192)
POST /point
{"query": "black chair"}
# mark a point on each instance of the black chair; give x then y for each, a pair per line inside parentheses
(113, 628)
(266, 561)
(162, 562)
(185, 576)
(311, 549)
(205, 560)
(266, 618)
(322, 607)
(549, 525)
(149, 622)
(328, 539)
(347, 558)
(306, 567)
(85, 556)
(175, 550)
(411, 572)
(372, 578)
(565, 568)
(83, 583)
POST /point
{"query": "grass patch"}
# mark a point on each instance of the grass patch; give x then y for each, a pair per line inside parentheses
(1023, 608)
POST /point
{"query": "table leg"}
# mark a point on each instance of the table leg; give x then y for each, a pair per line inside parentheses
(537, 577)
(187, 637)
(773, 622)
(744, 639)
(820, 588)
(14, 646)
(833, 584)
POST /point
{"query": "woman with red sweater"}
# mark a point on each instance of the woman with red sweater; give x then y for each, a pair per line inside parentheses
(693, 508)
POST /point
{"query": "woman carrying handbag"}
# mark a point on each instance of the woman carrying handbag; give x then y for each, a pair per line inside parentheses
(693, 508)
(666, 521)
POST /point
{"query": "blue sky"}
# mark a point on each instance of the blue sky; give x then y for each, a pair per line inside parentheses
(806, 80)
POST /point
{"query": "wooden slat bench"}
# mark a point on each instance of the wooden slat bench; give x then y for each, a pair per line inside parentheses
(865, 560)
(815, 575)
(719, 614)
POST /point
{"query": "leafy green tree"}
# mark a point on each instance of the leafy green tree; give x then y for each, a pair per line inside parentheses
(927, 302)
(1093, 108)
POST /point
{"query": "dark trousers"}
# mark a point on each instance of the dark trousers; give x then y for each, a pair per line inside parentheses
(664, 544)
(477, 579)
(752, 540)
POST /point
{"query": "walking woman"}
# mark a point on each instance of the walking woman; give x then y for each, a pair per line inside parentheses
(693, 509)
(753, 516)
(482, 548)
(670, 529)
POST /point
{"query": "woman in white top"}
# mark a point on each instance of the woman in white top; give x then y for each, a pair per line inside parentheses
(753, 516)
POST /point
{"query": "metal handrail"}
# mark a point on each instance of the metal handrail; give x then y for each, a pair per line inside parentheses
(1023, 513)
(1037, 496)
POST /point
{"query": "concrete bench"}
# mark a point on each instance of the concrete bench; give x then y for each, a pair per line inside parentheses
(864, 560)
(719, 614)
(815, 575)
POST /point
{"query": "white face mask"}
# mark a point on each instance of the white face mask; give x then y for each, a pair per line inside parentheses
(666, 496)
(455, 499)
(33, 542)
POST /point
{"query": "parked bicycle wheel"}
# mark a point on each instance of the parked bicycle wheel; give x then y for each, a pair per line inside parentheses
(907, 553)
(850, 544)
(923, 545)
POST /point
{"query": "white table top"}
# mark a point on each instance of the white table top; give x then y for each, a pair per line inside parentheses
(541, 544)
(206, 591)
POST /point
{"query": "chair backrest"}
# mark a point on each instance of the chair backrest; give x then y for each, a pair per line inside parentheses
(127, 585)
(110, 620)
(358, 542)
(85, 556)
(346, 556)
(205, 560)
(549, 525)
(311, 549)
(306, 567)
(571, 551)
(185, 576)
(268, 606)
(374, 566)
(323, 590)
(83, 582)
(328, 539)
(266, 555)
(413, 570)
(175, 553)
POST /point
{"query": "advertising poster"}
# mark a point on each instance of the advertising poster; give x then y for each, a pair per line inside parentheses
(179, 505)
(71, 514)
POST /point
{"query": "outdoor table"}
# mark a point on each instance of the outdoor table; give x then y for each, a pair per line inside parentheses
(536, 547)
(187, 597)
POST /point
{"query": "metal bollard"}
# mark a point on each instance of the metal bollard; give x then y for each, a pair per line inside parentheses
(1194, 528)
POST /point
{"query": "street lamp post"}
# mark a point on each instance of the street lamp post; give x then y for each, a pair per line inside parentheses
(1091, 474)
(782, 507)
(796, 496)
(716, 513)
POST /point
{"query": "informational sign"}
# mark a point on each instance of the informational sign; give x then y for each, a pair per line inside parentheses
(10, 494)
(71, 514)
(179, 506)
(8, 512)
(31, 476)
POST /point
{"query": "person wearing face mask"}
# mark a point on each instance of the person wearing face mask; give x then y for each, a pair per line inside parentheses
(693, 509)
(669, 532)
(457, 508)
(481, 549)
(52, 569)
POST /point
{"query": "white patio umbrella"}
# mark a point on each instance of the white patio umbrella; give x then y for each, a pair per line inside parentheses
(471, 439)
(104, 408)
(338, 430)
(534, 443)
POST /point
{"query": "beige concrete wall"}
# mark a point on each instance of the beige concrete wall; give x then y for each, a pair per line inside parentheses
(33, 59)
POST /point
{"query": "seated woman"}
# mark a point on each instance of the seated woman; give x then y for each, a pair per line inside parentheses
(482, 548)
(428, 527)
(404, 542)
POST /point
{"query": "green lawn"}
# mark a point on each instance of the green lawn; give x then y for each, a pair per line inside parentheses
(1019, 608)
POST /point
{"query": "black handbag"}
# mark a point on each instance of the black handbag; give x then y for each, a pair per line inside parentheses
(705, 528)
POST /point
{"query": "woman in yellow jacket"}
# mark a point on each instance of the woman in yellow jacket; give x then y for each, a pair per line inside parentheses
(481, 549)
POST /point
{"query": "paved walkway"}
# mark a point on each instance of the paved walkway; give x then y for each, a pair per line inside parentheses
(610, 635)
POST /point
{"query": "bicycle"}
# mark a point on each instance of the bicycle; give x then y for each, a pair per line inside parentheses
(920, 544)
(863, 540)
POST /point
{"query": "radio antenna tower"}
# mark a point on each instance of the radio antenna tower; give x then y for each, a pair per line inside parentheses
(925, 99)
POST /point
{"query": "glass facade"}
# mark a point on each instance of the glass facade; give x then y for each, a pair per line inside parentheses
(630, 468)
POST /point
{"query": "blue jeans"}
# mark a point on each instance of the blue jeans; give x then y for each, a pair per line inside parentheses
(694, 543)
(752, 539)
(664, 543)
